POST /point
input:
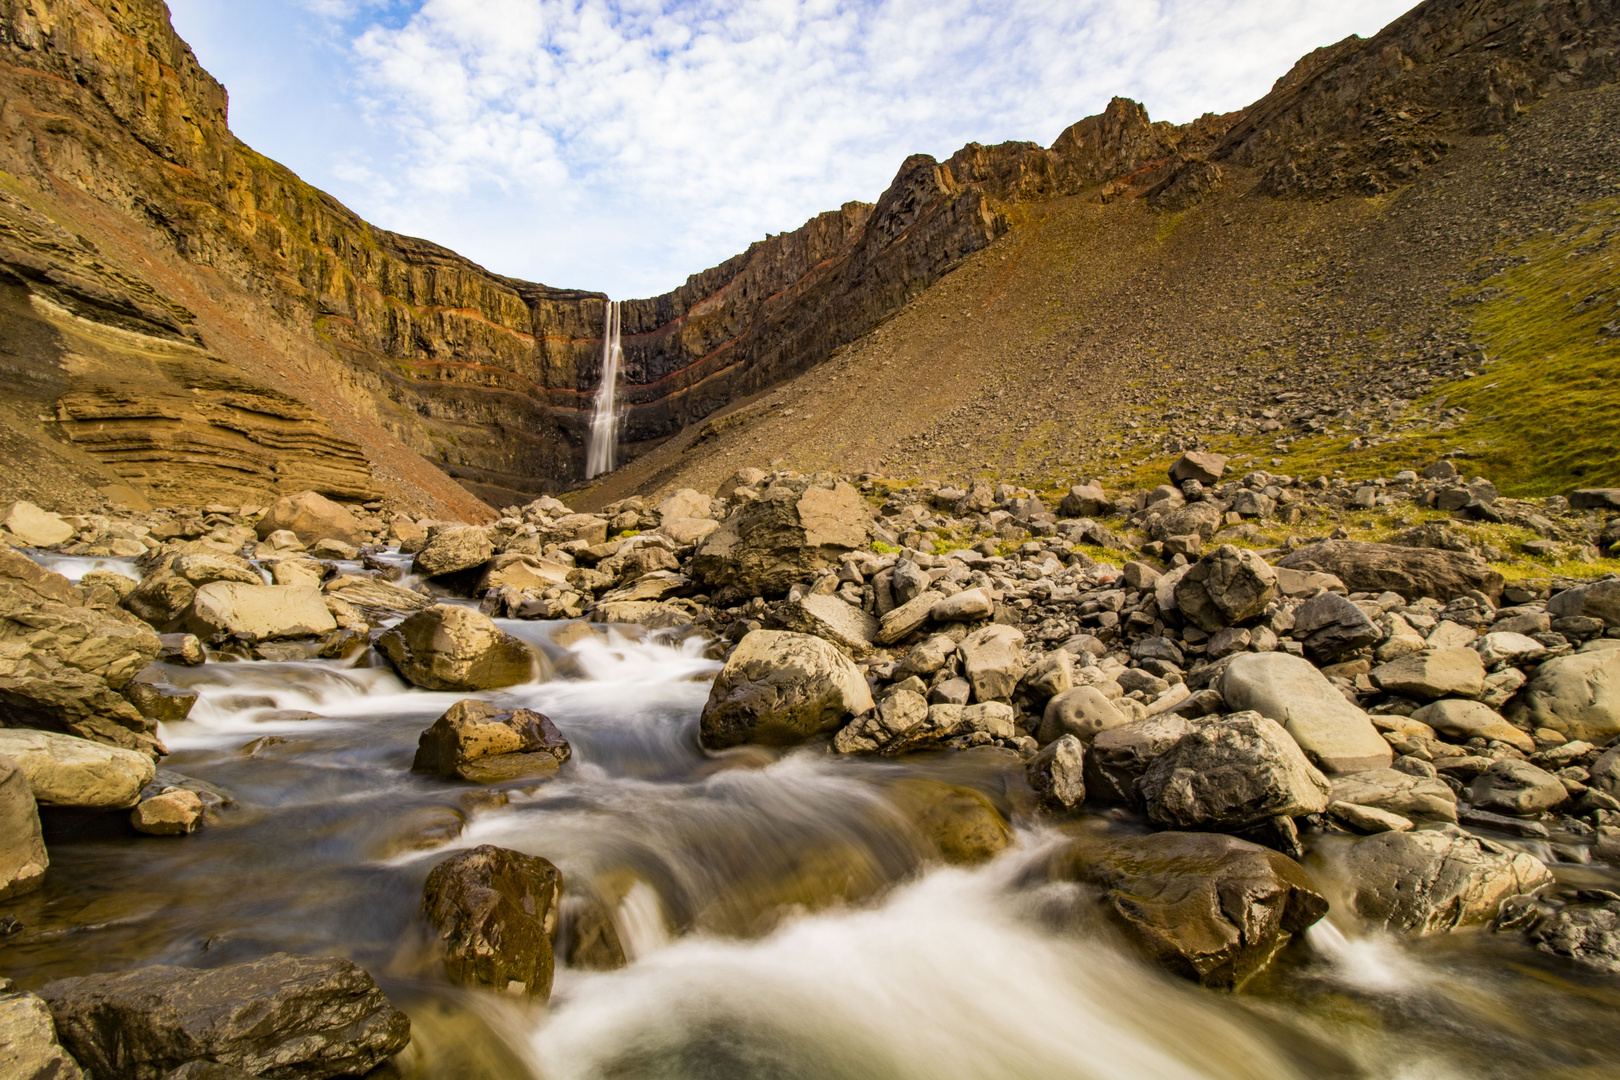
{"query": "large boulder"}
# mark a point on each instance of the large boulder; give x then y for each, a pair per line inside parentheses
(29, 1049)
(1198, 465)
(1511, 786)
(1225, 587)
(1331, 627)
(520, 571)
(1086, 500)
(33, 527)
(1434, 673)
(1411, 572)
(447, 647)
(451, 549)
(1199, 519)
(495, 912)
(64, 659)
(1578, 695)
(1598, 600)
(1209, 907)
(792, 528)
(992, 662)
(257, 611)
(1435, 880)
(780, 688)
(1421, 797)
(23, 858)
(289, 1017)
(1335, 735)
(477, 741)
(1119, 756)
(1231, 773)
(64, 770)
(311, 517)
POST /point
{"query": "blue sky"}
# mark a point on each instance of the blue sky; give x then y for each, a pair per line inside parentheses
(623, 146)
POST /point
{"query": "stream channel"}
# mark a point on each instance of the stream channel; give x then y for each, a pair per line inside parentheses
(782, 915)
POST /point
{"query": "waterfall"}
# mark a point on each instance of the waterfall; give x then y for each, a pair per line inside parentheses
(602, 449)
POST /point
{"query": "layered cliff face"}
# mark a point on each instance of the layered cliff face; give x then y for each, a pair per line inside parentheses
(196, 323)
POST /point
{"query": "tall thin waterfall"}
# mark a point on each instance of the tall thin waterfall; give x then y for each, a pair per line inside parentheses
(602, 450)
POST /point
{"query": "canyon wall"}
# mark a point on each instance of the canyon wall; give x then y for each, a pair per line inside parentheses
(197, 322)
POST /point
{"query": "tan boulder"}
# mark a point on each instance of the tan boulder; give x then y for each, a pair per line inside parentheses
(23, 858)
(64, 770)
(311, 517)
(780, 688)
(262, 612)
(477, 741)
(447, 647)
(34, 527)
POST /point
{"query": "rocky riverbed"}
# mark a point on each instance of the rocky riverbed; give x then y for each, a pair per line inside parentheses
(819, 776)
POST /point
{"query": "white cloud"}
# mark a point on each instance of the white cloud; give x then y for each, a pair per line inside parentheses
(624, 145)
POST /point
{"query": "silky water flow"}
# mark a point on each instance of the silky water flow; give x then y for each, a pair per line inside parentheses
(782, 913)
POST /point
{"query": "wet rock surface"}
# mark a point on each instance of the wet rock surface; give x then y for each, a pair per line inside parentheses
(1212, 908)
(495, 913)
(302, 1018)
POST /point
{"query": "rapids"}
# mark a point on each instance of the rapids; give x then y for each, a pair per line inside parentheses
(782, 916)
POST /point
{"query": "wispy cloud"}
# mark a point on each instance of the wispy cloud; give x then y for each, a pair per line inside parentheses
(625, 145)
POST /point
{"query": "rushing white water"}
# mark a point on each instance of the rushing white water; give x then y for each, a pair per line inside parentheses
(602, 450)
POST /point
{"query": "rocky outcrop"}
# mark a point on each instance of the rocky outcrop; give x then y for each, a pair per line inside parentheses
(293, 1017)
(1365, 116)
(64, 659)
(1411, 572)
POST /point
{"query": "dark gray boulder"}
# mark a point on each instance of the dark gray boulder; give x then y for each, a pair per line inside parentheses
(284, 1017)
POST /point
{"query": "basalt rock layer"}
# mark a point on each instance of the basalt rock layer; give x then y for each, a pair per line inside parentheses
(188, 321)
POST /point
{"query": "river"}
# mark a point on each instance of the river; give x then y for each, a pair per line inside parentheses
(782, 915)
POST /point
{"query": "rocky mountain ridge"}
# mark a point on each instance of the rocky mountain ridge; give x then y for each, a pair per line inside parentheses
(130, 209)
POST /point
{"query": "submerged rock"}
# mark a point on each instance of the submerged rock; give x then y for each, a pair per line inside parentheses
(1588, 934)
(495, 911)
(1209, 907)
(780, 688)
(289, 1017)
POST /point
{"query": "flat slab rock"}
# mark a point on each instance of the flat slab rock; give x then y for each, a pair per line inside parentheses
(285, 1017)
